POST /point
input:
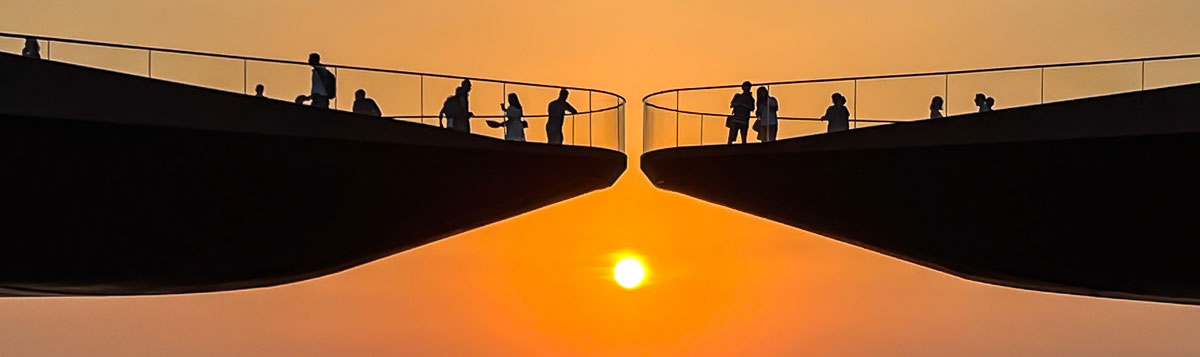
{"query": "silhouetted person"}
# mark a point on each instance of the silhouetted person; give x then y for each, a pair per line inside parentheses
(742, 104)
(514, 123)
(324, 85)
(935, 108)
(364, 105)
(454, 109)
(558, 110)
(988, 104)
(767, 108)
(32, 48)
(466, 96)
(259, 89)
(300, 99)
(837, 115)
(981, 102)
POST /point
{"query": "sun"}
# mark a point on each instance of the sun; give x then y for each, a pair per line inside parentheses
(629, 273)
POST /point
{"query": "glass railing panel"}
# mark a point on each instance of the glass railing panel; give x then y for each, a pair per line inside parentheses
(810, 100)
(280, 81)
(135, 62)
(713, 130)
(714, 101)
(604, 130)
(485, 103)
(12, 45)
(1066, 83)
(798, 128)
(1161, 74)
(205, 71)
(687, 130)
(1009, 88)
(660, 129)
(396, 94)
(602, 127)
(436, 91)
(898, 99)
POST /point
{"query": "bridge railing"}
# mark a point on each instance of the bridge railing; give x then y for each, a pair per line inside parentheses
(402, 95)
(696, 116)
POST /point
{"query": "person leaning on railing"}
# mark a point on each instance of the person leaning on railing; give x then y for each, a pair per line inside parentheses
(837, 115)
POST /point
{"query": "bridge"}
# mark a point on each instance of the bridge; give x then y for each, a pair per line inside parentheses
(136, 170)
(1082, 181)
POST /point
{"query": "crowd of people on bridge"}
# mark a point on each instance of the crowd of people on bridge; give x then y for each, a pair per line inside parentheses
(744, 106)
(456, 111)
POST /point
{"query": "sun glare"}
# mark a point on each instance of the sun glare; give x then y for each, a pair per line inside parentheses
(629, 273)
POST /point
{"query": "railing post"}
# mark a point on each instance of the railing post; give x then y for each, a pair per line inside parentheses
(48, 42)
(1043, 90)
(422, 98)
(701, 129)
(946, 93)
(335, 98)
(245, 78)
(589, 119)
(504, 99)
(149, 66)
(855, 104)
(1143, 75)
(676, 118)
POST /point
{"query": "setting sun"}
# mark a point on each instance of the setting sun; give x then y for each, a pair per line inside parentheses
(629, 273)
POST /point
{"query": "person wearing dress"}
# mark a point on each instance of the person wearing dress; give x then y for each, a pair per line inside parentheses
(514, 123)
(768, 116)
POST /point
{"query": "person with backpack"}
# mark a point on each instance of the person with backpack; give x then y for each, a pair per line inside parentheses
(324, 84)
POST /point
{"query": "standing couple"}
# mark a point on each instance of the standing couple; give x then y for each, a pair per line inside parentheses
(767, 109)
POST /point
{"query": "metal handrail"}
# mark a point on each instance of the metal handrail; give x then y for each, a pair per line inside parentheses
(273, 60)
(933, 74)
(618, 108)
(854, 120)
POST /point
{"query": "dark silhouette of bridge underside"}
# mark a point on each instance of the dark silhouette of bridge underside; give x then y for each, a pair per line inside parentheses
(117, 184)
(1093, 197)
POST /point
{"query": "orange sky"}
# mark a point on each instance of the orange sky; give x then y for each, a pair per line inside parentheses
(721, 283)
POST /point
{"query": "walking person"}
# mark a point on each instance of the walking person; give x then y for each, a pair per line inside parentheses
(324, 84)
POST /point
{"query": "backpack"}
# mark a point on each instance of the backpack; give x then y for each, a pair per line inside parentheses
(330, 82)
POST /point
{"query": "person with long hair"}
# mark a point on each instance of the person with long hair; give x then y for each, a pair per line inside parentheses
(767, 108)
(935, 107)
(514, 122)
(739, 121)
